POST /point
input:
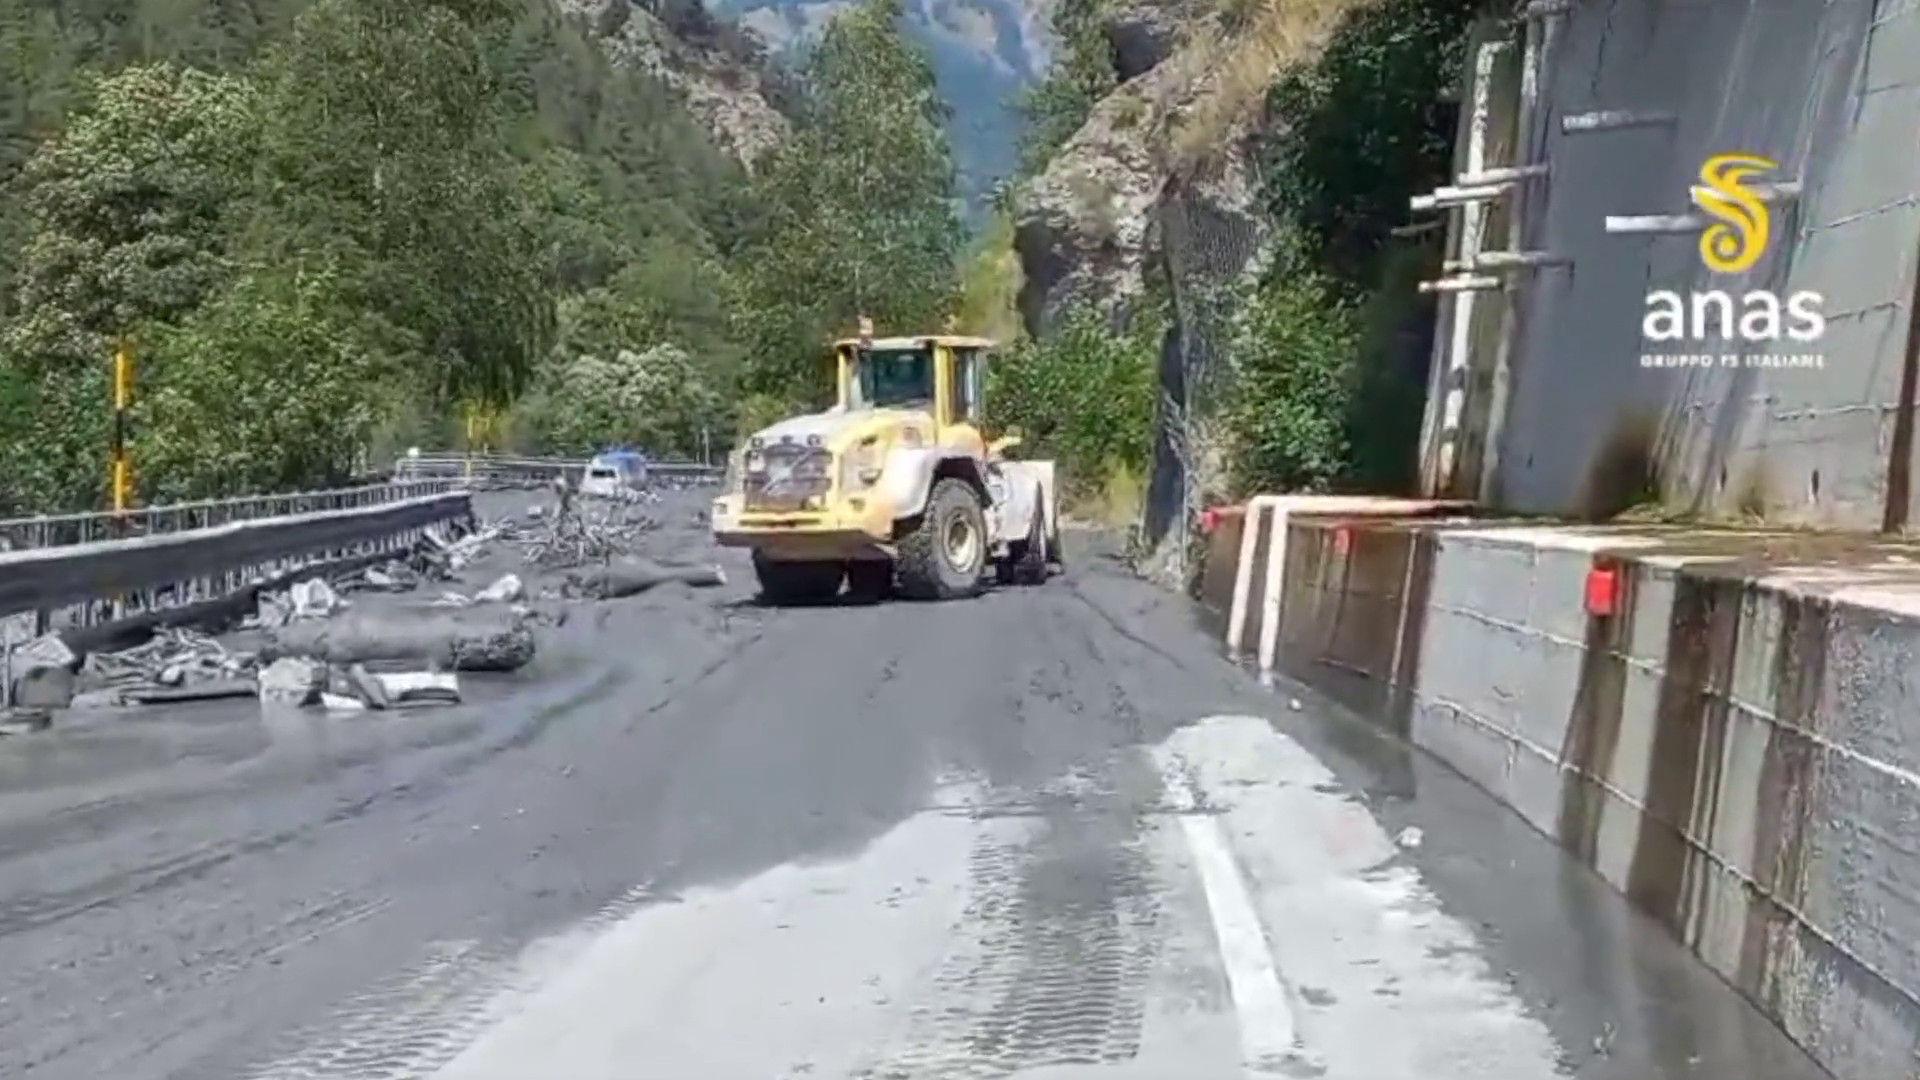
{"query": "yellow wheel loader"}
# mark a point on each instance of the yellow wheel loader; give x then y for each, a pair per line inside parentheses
(897, 489)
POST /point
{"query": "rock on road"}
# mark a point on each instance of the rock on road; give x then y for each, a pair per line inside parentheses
(1045, 834)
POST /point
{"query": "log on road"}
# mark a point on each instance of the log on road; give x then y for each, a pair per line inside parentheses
(448, 639)
(632, 576)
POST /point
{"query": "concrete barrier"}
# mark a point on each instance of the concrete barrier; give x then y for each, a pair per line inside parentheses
(1725, 726)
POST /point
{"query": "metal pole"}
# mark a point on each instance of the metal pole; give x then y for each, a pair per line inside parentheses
(122, 480)
(1473, 218)
(1526, 149)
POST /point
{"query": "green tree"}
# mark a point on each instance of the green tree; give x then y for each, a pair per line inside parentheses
(36, 70)
(277, 383)
(863, 217)
(124, 230)
(1084, 396)
(653, 398)
(127, 210)
(1293, 351)
(387, 153)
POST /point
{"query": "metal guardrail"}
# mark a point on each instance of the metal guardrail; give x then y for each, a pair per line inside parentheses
(507, 471)
(85, 569)
(97, 581)
(64, 530)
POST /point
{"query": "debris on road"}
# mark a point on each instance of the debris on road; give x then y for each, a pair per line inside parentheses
(574, 538)
(40, 674)
(17, 721)
(505, 589)
(292, 680)
(308, 642)
(175, 658)
(449, 639)
(211, 690)
(630, 577)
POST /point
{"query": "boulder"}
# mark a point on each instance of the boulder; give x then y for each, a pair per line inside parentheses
(44, 672)
(1164, 168)
(44, 688)
(292, 680)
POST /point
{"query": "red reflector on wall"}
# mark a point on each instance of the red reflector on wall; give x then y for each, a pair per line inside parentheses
(1342, 540)
(1603, 590)
(1209, 520)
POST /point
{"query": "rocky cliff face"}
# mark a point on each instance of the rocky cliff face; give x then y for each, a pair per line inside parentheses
(1162, 169)
(698, 56)
(1161, 187)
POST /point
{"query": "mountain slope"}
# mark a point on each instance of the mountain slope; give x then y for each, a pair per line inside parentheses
(985, 52)
(704, 59)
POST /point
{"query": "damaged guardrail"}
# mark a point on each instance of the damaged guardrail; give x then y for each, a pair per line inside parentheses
(113, 579)
(505, 470)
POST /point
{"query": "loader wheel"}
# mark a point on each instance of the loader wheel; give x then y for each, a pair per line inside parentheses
(869, 581)
(797, 582)
(1026, 561)
(944, 553)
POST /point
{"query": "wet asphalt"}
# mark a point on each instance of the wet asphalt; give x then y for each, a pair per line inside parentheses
(1044, 833)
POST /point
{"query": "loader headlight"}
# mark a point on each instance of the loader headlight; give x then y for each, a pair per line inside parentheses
(860, 467)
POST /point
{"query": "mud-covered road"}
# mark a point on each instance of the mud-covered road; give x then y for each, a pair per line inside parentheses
(1043, 834)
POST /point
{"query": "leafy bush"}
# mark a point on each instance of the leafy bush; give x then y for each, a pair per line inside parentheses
(1292, 362)
(275, 384)
(653, 399)
(1084, 396)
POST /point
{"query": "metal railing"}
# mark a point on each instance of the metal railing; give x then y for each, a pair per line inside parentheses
(79, 585)
(503, 470)
(415, 480)
(63, 530)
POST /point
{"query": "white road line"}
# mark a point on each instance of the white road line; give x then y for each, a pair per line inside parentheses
(1329, 939)
(1267, 1031)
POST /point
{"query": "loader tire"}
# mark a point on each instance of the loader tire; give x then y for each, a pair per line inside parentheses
(943, 554)
(783, 583)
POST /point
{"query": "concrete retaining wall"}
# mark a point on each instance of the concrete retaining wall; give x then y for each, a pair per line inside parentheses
(1737, 748)
(1826, 89)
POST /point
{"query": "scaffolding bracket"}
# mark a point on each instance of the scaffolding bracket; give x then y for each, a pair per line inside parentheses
(1653, 224)
(1462, 284)
(1506, 260)
(1507, 175)
(1442, 197)
(1613, 120)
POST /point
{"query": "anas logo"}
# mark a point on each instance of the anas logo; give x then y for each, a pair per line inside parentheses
(1735, 239)
(1739, 234)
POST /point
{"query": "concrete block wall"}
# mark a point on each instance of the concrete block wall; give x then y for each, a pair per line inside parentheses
(1737, 749)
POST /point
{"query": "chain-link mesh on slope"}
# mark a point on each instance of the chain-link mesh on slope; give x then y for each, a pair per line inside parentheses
(1207, 256)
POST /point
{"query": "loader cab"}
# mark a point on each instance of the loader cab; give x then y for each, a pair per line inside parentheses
(944, 377)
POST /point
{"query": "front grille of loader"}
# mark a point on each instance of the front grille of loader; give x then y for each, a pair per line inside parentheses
(790, 476)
